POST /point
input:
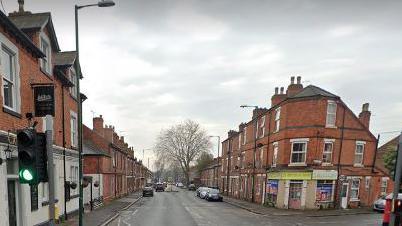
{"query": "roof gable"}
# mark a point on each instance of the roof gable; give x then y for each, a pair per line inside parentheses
(312, 90)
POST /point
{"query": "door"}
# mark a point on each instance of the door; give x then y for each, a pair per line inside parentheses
(12, 207)
(295, 193)
(344, 195)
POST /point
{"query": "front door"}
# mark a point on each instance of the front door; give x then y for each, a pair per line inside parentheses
(295, 192)
(12, 207)
(344, 195)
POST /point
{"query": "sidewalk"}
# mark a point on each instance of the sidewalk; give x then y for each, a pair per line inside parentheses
(105, 213)
(270, 211)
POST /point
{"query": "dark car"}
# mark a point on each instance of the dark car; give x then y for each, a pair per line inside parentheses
(213, 195)
(191, 187)
(159, 187)
(147, 191)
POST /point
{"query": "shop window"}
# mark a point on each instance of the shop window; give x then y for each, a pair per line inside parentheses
(354, 189)
(272, 192)
(324, 191)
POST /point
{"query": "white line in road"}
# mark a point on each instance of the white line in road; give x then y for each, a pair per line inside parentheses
(135, 211)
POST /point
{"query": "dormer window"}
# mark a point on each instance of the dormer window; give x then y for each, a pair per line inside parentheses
(45, 61)
(73, 79)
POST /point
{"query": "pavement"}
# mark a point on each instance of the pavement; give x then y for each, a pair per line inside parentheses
(183, 208)
(108, 212)
(270, 211)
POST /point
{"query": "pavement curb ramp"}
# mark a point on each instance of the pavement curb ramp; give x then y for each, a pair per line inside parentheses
(118, 213)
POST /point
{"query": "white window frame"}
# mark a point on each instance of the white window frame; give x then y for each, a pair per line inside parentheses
(245, 135)
(367, 181)
(299, 141)
(44, 38)
(240, 140)
(359, 164)
(330, 115)
(277, 119)
(383, 189)
(12, 49)
(275, 154)
(74, 128)
(352, 188)
(262, 126)
(324, 151)
(73, 79)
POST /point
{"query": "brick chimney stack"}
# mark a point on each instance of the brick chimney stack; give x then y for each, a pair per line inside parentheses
(365, 115)
(293, 88)
(278, 97)
(108, 133)
(258, 111)
(97, 124)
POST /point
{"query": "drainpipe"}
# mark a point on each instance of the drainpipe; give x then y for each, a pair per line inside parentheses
(64, 151)
(339, 159)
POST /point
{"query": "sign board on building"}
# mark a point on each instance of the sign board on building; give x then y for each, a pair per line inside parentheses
(290, 175)
(325, 175)
(44, 100)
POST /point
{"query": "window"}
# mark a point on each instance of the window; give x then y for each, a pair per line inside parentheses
(299, 150)
(275, 156)
(73, 124)
(359, 153)
(245, 136)
(354, 190)
(239, 141)
(9, 78)
(327, 153)
(45, 192)
(73, 78)
(74, 178)
(242, 160)
(45, 61)
(262, 127)
(384, 185)
(367, 182)
(277, 119)
(331, 114)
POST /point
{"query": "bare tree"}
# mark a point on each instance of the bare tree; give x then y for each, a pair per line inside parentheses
(182, 143)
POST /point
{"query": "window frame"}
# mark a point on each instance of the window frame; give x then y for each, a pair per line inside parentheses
(73, 79)
(324, 151)
(43, 38)
(73, 128)
(384, 179)
(329, 114)
(277, 119)
(361, 163)
(352, 188)
(275, 154)
(299, 141)
(245, 135)
(262, 127)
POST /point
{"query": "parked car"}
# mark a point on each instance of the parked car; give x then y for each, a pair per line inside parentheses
(203, 193)
(213, 195)
(159, 187)
(180, 185)
(147, 191)
(199, 189)
(379, 204)
(191, 187)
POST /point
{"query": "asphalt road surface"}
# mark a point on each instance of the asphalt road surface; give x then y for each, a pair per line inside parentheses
(184, 209)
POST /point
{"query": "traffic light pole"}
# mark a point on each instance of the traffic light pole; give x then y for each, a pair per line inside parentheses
(50, 169)
(398, 174)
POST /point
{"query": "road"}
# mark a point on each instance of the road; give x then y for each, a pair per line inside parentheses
(184, 209)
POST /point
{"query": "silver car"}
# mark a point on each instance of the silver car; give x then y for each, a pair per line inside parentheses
(379, 204)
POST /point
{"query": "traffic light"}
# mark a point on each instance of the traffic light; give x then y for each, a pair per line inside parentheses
(31, 156)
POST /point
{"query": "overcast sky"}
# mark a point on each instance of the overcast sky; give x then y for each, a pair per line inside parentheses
(150, 64)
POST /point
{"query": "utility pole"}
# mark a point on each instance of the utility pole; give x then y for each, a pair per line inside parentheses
(397, 183)
(50, 169)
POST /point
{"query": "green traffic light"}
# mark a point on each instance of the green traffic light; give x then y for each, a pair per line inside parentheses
(26, 175)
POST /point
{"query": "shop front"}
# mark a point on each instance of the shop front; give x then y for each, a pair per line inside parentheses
(325, 187)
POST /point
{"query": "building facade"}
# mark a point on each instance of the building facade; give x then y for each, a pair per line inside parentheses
(308, 150)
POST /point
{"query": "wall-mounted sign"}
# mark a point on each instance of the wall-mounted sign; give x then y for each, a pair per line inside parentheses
(325, 175)
(290, 175)
(44, 100)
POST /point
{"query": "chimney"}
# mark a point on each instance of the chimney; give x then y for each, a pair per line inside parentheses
(293, 88)
(122, 139)
(231, 133)
(278, 97)
(97, 124)
(365, 115)
(258, 111)
(20, 6)
(108, 133)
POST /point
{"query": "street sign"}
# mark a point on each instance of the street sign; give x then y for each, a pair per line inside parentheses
(44, 100)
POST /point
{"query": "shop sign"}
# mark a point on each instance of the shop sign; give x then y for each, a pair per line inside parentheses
(290, 175)
(44, 100)
(325, 175)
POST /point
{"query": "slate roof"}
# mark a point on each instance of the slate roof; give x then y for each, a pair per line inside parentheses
(21, 36)
(89, 149)
(310, 91)
(65, 58)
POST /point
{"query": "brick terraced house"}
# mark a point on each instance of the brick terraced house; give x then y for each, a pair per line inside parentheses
(308, 150)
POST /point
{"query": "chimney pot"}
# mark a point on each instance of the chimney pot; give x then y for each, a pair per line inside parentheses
(365, 107)
(282, 89)
(292, 80)
(21, 6)
(276, 90)
(298, 79)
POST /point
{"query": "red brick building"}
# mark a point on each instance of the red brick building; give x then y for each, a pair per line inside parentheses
(210, 175)
(308, 150)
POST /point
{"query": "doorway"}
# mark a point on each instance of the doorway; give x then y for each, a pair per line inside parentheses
(295, 193)
(344, 195)
(12, 203)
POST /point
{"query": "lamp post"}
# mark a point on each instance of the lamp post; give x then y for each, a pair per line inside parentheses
(255, 149)
(216, 173)
(102, 3)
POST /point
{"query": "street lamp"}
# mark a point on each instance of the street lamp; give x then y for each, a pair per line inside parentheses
(102, 3)
(255, 149)
(219, 143)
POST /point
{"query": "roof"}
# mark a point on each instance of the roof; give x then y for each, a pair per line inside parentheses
(32, 21)
(89, 149)
(21, 36)
(310, 91)
(65, 58)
